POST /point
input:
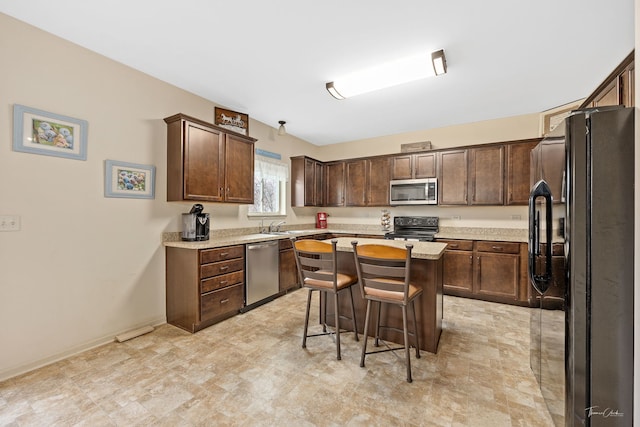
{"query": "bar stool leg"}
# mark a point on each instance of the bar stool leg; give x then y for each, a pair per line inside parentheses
(306, 320)
(415, 329)
(353, 314)
(377, 340)
(337, 315)
(406, 342)
(366, 333)
(324, 296)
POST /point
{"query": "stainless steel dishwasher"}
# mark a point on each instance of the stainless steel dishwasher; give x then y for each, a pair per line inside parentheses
(261, 273)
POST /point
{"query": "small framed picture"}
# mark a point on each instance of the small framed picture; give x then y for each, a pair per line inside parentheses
(40, 132)
(232, 120)
(129, 180)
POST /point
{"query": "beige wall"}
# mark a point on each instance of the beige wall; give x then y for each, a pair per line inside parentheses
(507, 129)
(83, 267)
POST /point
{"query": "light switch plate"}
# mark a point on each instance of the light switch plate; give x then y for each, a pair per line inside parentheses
(9, 223)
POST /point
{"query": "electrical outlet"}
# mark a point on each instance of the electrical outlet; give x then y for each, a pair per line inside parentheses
(456, 217)
(9, 223)
(516, 217)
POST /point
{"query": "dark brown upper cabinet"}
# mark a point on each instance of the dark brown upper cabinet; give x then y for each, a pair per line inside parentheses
(306, 182)
(413, 166)
(617, 89)
(547, 162)
(208, 163)
(452, 177)
(486, 175)
(356, 181)
(378, 177)
(334, 183)
(367, 181)
(518, 171)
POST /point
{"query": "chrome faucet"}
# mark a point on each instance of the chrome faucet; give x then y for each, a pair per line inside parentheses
(275, 227)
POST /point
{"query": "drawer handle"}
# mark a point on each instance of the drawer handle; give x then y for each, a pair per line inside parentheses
(453, 245)
(223, 282)
(224, 254)
(224, 267)
(496, 248)
(224, 301)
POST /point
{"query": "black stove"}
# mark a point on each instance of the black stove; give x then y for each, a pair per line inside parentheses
(416, 228)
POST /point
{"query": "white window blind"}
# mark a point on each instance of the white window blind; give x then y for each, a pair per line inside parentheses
(269, 190)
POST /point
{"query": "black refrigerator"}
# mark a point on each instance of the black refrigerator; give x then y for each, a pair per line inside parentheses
(595, 341)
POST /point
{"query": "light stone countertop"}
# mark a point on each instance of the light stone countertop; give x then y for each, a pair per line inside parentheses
(220, 238)
(484, 233)
(215, 241)
(422, 250)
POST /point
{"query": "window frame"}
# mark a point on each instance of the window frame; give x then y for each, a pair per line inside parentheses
(282, 190)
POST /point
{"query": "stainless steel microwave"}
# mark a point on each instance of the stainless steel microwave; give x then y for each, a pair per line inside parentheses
(413, 192)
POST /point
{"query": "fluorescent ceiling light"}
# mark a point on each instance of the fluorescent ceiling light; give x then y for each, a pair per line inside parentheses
(386, 75)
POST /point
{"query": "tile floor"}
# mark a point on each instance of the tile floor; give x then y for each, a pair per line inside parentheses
(250, 370)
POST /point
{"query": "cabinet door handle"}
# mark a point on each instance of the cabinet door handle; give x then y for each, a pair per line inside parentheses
(227, 190)
(224, 301)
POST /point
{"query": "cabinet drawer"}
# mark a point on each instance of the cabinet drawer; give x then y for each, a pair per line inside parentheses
(221, 302)
(458, 245)
(498, 247)
(221, 281)
(221, 254)
(224, 267)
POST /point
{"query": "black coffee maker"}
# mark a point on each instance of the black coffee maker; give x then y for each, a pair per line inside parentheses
(195, 224)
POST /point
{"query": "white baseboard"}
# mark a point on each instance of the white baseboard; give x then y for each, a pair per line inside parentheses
(22, 369)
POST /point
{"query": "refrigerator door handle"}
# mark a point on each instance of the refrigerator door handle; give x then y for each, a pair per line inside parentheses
(540, 281)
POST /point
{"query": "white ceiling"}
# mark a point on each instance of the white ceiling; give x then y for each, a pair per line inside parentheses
(271, 59)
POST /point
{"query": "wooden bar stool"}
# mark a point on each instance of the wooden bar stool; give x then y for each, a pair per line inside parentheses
(383, 273)
(318, 270)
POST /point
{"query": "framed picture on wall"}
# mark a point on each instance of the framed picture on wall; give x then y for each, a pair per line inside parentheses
(232, 120)
(129, 180)
(40, 132)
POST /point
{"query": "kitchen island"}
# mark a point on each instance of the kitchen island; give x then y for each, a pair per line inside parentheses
(426, 272)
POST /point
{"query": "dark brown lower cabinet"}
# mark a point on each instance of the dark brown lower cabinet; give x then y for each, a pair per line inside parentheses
(487, 270)
(203, 286)
(555, 295)
(288, 268)
(458, 266)
(497, 269)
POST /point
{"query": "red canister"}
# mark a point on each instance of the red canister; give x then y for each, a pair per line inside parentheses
(321, 220)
